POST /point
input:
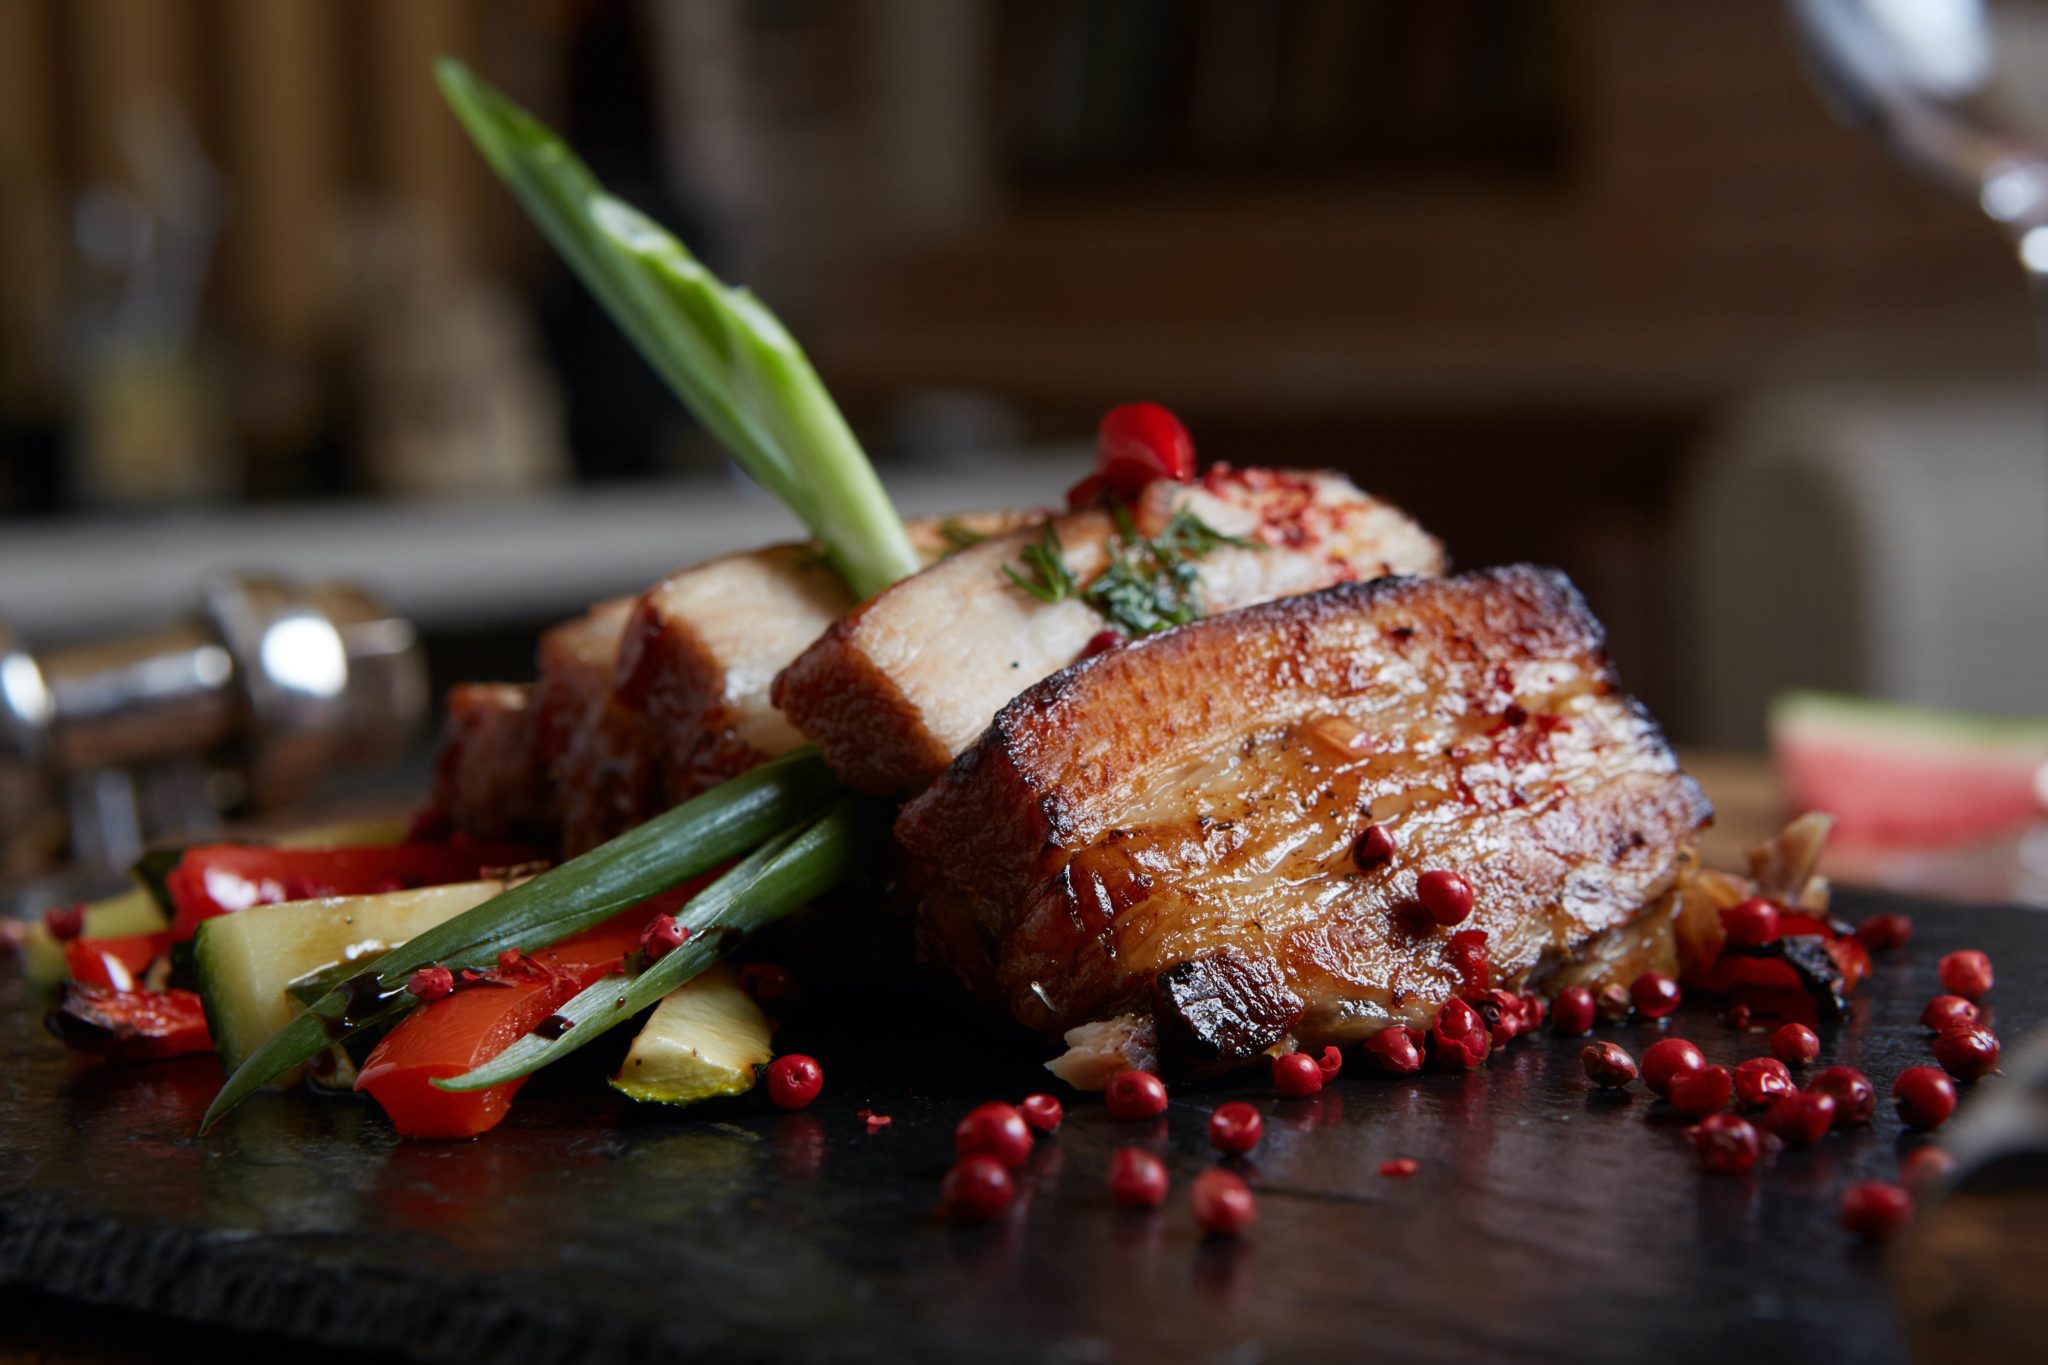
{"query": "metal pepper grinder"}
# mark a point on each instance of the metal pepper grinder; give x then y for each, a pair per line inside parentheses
(108, 745)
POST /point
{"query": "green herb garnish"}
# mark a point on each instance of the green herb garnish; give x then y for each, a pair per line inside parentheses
(1046, 575)
(1148, 584)
(958, 537)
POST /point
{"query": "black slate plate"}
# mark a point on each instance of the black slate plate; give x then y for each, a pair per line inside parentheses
(1546, 1222)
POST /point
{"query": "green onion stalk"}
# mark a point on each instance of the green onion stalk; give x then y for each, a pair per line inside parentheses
(791, 825)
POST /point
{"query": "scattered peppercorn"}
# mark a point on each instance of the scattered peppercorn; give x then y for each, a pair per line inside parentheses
(430, 982)
(1967, 974)
(1459, 1037)
(1801, 1118)
(1874, 1209)
(1855, 1099)
(1884, 933)
(1666, 1058)
(1235, 1128)
(1222, 1202)
(1701, 1091)
(1468, 957)
(997, 1130)
(1399, 1168)
(977, 1189)
(1607, 1065)
(1612, 1002)
(794, 1080)
(1654, 995)
(1396, 1050)
(1725, 1144)
(65, 922)
(1925, 1097)
(1330, 1063)
(1925, 1165)
(1134, 1095)
(662, 936)
(1795, 1044)
(1137, 1179)
(1761, 1080)
(770, 985)
(1101, 642)
(1571, 1014)
(1535, 1009)
(1736, 1016)
(1446, 895)
(1042, 1112)
(1968, 1054)
(1751, 923)
(1295, 1075)
(1373, 849)
(1502, 1013)
(1945, 1012)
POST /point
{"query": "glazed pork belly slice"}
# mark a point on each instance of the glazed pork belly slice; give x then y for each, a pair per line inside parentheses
(702, 648)
(905, 681)
(1154, 848)
(488, 777)
(598, 755)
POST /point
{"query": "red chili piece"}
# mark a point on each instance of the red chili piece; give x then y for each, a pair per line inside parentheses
(1968, 1054)
(1459, 1037)
(1884, 933)
(1945, 1012)
(1855, 1099)
(1373, 849)
(128, 1026)
(1873, 1209)
(1223, 1203)
(996, 1130)
(1571, 1014)
(1761, 1080)
(1608, 1065)
(431, 982)
(1666, 1058)
(1139, 442)
(976, 1190)
(1967, 974)
(1795, 1044)
(662, 936)
(1295, 1074)
(1446, 895)
(1135, 1095)
(1330, 1063)
(1925, 1097)
(770, 985)
(1396, 1050)
(1654, 995)
(1701, 1091)
(1137, 1179)
(1399, 1168)
(1924, 1166)
(1235, 1128)
(1725, 1144)
(1042, 1112)
(65, 922)
(1801, 1118)
(794, 1080)
(1751, 923)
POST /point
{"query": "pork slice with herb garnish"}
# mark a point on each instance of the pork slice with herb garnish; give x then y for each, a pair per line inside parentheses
(1157, 850)
(907, 680)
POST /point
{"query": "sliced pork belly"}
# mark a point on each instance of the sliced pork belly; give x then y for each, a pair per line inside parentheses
(703, 646)
(488, 777)
(597, 754)
(1160, 839)
(907, 680)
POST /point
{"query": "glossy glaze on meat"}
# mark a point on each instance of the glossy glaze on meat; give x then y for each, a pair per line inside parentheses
(1165, 833)
(599, 756)
(907, 680)
(488, 777)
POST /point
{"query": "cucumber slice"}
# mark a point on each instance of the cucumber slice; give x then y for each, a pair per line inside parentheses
(246, 961)
(131, 912)
(704, 1040)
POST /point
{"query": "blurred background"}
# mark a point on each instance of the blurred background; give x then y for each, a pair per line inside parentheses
(1581, 281)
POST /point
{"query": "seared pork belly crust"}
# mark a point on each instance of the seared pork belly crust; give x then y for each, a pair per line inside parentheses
(907, 680)
(487, 774)
(1165, 833)
(597, 754)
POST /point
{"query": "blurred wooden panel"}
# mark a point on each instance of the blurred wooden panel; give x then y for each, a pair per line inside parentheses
(131, 58)
(32, 247)
(419, 157)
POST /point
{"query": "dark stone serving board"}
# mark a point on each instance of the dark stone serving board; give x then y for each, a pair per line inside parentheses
(1545, 1222)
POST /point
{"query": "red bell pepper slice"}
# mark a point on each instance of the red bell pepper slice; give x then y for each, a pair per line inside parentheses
(115, 963)
(218, 879)
(128, 1026)
(461, 1032)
